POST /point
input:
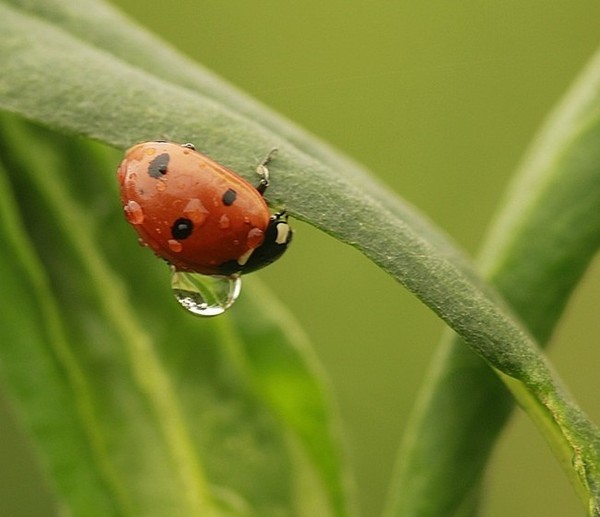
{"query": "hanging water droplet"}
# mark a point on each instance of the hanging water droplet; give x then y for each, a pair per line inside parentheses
(205, 295)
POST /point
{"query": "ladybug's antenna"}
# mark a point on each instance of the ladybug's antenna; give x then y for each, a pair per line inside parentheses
(263, 171)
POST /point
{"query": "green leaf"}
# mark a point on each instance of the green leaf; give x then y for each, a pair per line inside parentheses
(40, 370)
(96, 92)
(544, 239)
(175, 414)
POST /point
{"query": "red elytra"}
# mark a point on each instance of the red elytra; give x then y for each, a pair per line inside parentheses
(196, 214)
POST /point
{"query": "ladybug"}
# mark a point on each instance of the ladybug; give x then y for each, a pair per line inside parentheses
(198, 215)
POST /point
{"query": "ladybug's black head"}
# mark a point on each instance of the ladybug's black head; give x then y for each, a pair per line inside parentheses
(278, 236)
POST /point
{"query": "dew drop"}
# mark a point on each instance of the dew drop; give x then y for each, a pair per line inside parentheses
(175, 245)
(205, 295)
(224, 222)
(255, 238)
(134, 212)
(195, 211)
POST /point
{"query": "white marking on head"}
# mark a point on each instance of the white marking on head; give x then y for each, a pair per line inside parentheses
(283, 232)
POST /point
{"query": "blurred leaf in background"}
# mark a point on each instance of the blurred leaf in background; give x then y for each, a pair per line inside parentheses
(453, 96)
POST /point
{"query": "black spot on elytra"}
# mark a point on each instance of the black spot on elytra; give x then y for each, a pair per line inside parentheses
(158, 166)
(229, 197)
(182, 228)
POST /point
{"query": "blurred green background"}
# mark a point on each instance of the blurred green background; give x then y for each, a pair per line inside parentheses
(440, 99)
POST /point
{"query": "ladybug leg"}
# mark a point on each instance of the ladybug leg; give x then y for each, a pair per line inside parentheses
(263, 171)
(281, 214)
